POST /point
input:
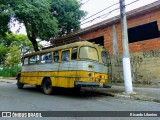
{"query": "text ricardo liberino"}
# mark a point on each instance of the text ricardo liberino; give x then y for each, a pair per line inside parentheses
(144, 114)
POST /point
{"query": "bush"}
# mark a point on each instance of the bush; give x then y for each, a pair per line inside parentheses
(10, 71)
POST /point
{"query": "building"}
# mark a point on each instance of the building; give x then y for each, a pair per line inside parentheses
(144, 42)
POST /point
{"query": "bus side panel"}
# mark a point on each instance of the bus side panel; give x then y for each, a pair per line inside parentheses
(63, 79)
(33, 78)
(26, 77)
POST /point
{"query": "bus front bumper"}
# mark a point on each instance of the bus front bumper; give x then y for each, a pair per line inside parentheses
(90, 84)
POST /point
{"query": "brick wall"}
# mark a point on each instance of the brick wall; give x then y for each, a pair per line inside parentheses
(151, 44)
(107, 32)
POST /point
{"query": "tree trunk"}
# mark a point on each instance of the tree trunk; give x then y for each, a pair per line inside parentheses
(32, 36)
(35, 44)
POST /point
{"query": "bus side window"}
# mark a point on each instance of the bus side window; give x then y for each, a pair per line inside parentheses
(34, 59)
(46, 58)
(104, 57)
(74, 54)
(65, 55)
(56, 56)
(25, 61)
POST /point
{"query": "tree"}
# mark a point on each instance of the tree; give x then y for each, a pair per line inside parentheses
(44, 18)
(3, 52)
(37, 18)
(5, 12)
(68, 14)
(21, 41)
(9, 38)
(13, 57)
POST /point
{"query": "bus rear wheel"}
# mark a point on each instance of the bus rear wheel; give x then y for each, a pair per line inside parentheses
(47, 86)
(19, 84)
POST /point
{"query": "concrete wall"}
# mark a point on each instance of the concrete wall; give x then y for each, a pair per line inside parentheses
(145, 68)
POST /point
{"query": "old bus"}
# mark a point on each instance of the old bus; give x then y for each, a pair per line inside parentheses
(75, 65)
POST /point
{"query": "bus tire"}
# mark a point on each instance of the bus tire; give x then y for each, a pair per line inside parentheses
(19, 84)
(47, 86)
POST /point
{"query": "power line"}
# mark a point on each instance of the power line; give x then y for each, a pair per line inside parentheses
(85, 2)
(106, 13)
(131, 2)
(101, 16)
(100, 12)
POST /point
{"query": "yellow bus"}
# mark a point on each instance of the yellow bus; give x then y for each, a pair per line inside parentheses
(75, 65)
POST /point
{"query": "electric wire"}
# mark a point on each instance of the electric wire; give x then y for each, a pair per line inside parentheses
(107, 14)
(100, 12)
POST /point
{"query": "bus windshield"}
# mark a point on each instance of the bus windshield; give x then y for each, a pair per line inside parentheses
(88, 53)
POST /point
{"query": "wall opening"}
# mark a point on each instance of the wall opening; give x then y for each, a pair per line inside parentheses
(98, 40)
(143, 32)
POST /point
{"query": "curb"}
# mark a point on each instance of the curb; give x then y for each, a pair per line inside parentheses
(139, 97)
(7, 78)
(146, 98)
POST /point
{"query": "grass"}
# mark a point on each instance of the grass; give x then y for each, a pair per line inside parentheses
(9, 71)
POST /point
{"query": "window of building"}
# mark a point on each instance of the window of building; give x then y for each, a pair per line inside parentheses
(65, 55)
(74, 53)
(143, 32)
(98, 40)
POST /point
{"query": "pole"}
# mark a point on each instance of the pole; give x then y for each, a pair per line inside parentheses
(126, 55)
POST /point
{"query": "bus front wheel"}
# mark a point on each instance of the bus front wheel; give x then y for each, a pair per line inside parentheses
(19, 84)
(47, 86)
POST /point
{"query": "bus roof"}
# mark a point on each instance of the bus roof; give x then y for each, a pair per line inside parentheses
(75, 44)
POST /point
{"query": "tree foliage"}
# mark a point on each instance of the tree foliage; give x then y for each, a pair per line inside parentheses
(37, 18)
(42, 18)
(3, 52)
(5, 13)
(19, 40)
(9, 38)
(68, 14)
(13, 56)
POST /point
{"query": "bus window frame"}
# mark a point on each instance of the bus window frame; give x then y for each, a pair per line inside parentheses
(106, 56)
(87, 58)
(23, 59)
(77, 52)
(37, 61)
(49, 60)
(58, 56)
(69, 54)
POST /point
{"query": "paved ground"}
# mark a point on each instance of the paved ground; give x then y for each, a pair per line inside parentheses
(31, 99)
(145, 94)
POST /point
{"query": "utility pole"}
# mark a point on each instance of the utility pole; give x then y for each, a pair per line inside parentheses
(126, 56)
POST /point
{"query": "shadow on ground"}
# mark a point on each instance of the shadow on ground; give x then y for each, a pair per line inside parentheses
(65, 92)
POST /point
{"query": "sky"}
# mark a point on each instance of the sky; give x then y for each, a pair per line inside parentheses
(94, 6)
